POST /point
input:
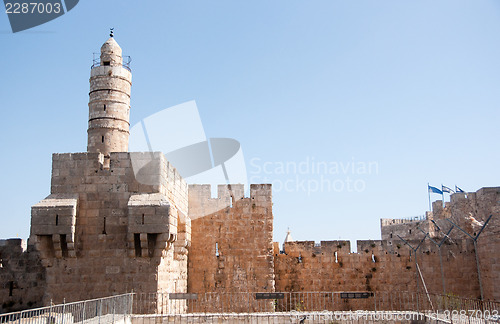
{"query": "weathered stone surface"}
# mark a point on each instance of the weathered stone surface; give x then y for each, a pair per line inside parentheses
(117, 221)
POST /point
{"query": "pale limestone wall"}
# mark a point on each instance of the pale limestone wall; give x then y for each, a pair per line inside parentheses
(242, 234)
(377, 266)
(127, 236)
(467, 211)
(481, 205)
(22, 277)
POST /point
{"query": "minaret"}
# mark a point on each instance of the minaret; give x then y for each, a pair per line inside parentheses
(109, 102)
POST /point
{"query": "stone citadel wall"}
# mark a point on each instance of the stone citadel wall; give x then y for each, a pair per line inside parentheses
(378, 266)
(470, 212)
(22, 276)
(231, 249)
(105, 231)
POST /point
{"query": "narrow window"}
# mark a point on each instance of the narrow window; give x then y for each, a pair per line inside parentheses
(409, 231)
(104, 107)
(104, 226)
(105, 63)
(11, 287)
(217, 249)
(57, 220)
(142, 219)
(336, 259)
(64, 246)
(373, 258)
(137, 245)
(102, 139)
(390, 235)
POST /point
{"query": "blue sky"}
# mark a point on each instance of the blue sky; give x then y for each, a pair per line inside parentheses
(412, 87)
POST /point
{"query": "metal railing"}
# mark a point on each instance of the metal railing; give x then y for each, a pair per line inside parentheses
(246, 302)
(102, 310)
(96, 61)
(142, 308)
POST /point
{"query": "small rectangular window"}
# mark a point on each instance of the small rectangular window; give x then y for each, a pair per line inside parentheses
(102, 139)
(104, 226)
(105, 63)
(104, 107)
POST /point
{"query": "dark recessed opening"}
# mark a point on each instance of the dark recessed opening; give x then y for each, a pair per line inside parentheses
(104, 226)
(47, 245)
(104, 107)
(102, 139)
(57, 220)
(142, 219)
(11, 287)
(137, 245)
(105, 63)
(151, 244)
(64, 246)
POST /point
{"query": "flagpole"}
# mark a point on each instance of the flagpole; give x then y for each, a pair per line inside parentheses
(442, 192)
(429, 193)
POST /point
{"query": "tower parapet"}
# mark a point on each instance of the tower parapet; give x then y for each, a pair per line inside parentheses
(109, 102)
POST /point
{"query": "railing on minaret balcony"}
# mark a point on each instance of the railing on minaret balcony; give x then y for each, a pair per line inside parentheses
(96, 61)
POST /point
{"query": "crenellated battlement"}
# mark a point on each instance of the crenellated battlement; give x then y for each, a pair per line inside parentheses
(201, 202)
(468, 210)
(117, 221)
(232, 246)
(224, 191)
(377, 266)
(22, 277)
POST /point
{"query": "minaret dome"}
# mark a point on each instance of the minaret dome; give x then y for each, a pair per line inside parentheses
(111, 53)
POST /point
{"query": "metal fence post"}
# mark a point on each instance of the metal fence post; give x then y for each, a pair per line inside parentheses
(100, 311)
(64, 306)
(83, 311)
(114, 304)
(50, 311)
(478, 270)
(474, 239)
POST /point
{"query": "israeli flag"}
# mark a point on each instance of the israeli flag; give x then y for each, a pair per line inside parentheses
(446, 189)
(434, 190)
(457, 189)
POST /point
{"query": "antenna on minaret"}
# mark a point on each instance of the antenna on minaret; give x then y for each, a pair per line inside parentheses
(111, 33)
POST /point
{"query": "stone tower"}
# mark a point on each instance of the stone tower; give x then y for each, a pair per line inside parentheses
(109, 102)
(103, 231)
